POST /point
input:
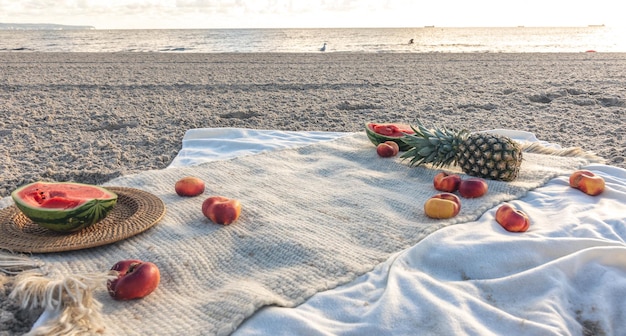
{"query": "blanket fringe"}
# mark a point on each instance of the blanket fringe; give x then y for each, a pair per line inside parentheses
(79, 313)
(538, 148)
(14, 263)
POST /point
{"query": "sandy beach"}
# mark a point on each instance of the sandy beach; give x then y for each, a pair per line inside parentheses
(92, 117)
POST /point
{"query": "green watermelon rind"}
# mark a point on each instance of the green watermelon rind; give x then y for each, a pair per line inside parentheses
(376, 138)
(71, 220)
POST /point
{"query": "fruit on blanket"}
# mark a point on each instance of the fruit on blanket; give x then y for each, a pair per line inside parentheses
(221, 210)
(379, 133)
(473, 187)
(511, 219)
(64, 206)
(387, 149)
(442, 206)
(135, 279)
(189, 186)
(447, 182)
(587, 182)
(486, 155)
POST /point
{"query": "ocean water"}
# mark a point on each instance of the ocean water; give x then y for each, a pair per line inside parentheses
(375, 40)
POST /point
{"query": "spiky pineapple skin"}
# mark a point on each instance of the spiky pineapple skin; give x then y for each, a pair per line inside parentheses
(490, 156)
(485, 155)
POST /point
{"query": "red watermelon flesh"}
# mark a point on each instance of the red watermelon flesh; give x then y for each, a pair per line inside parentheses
(381, 132)
(61, 203)
(392, 130)
(59, 196)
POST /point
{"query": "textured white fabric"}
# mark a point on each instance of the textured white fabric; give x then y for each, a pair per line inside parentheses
(565, 276)
(314, 217)
(202, 145)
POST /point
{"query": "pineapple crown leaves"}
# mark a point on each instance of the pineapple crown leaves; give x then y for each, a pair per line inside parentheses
(437, 146)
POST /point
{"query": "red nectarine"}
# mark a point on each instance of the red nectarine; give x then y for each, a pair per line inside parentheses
(447, 182)
(189, 186)
(441, 206)
(511, 219)
(473, 187)
(587, 182)
(221, 210)
(387, 149)
(135, 279)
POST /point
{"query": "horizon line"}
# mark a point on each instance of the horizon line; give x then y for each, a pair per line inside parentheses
(89, 27)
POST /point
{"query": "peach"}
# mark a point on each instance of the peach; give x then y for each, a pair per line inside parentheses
(473, 187)
(189, 186)
(387, 149)
(394, 145)
(441, 206)
(221, 210)
(511, 219)
(135, 279)
(447, 182)
(587, 182)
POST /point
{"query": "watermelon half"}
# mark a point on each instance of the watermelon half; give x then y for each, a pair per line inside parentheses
(379, 133)
(64, 206)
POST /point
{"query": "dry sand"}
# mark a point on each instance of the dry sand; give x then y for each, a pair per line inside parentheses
(91, 117)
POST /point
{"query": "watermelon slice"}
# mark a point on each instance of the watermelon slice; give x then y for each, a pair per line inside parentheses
(381, 132)
(64, 206)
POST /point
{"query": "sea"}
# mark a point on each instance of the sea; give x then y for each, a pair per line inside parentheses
(429, 39)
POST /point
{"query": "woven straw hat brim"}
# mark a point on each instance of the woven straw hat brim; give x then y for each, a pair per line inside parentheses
(136, 211)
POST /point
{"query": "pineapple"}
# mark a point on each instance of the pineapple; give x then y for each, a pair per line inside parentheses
(486, 155)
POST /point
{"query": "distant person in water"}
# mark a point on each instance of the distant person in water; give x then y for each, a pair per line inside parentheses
(323, 48)
(411, 41)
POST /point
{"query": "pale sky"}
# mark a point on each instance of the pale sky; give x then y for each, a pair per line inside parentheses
(149, 14)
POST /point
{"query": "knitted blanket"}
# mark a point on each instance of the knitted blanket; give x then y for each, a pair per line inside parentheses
(313, 218)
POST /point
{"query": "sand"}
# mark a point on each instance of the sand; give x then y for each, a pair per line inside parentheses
(92, 117)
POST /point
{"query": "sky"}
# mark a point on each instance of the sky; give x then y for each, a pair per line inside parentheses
(170, 14)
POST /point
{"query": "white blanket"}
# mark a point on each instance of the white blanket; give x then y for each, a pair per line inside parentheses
(565, 275)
